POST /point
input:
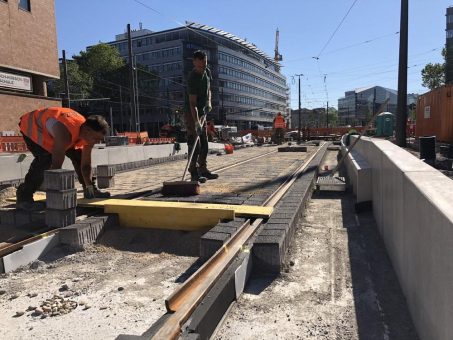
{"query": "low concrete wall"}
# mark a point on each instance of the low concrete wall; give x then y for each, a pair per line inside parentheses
(359, 175)
(12, 170)
(413, 207)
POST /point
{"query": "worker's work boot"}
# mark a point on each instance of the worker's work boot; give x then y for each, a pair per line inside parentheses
(25, 202)
(195, 177)
(209, 175)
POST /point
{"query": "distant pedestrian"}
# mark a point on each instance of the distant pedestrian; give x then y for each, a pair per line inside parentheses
(197, 105)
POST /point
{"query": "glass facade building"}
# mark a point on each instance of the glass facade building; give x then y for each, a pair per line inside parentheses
(247, 87)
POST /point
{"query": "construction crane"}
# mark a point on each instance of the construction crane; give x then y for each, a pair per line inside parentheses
(278, 56)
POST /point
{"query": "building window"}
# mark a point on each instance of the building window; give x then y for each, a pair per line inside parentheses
(25, 5)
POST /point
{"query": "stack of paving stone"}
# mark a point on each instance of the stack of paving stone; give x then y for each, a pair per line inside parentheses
(104, 176)
(61, 198)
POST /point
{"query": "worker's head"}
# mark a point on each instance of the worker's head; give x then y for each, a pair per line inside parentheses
(200, 61)
(94, 129)
(279, 114)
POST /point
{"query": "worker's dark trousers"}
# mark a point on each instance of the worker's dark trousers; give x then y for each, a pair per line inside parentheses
(201, 151)
(42, 162)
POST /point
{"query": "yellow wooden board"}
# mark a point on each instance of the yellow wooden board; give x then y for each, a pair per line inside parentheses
(171, 215)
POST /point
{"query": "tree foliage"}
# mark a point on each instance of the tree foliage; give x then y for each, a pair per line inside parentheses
(433, 74)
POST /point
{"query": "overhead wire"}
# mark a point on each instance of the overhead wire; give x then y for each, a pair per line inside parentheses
(336, 29)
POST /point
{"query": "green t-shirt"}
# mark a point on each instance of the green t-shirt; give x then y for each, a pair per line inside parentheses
(199, 85)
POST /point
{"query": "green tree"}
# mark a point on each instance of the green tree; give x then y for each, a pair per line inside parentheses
(433, 74)
(100, 59)
(80, 83)
(333, 117)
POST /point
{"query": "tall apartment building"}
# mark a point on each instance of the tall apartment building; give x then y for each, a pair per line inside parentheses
(28, 58)
(247, 88)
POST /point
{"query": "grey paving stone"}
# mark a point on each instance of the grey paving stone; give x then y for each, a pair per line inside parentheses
(61, 199)
(83, 232)
(8, 216)
(22, 217)
(211, 242)
(105, 182)
(105, 170)
(60, 218)
(59, 179)
(268, 254)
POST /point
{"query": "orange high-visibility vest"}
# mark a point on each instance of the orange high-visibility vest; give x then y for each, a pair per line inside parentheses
(33, 125)
(279, 122)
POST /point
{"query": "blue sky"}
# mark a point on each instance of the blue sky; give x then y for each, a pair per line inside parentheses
(363, 52)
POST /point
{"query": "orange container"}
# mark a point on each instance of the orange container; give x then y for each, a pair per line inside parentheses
(229, 149)
(435, 114)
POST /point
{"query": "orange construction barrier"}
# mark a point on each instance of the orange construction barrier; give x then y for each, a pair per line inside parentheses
(12, 144)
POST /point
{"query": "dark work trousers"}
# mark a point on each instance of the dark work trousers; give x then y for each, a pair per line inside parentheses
(201, 148)
(42, 162)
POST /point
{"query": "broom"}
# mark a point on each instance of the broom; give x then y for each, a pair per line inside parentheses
(182, 187)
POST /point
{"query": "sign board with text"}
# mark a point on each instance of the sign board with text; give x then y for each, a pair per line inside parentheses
(14, 81)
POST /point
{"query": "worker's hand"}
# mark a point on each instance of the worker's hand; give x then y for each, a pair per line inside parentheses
(208, 107)
(198, 128)
(88, 192)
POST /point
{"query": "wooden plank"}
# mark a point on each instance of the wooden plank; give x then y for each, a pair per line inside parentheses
(239, 210)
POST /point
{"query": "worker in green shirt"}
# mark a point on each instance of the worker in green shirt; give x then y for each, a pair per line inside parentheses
(197, 105)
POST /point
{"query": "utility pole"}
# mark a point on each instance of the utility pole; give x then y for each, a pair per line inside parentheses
(131, 79)
(300, 113)
(327, 115)
(66, 101)
(223, 118)
(111, 121)
(137, 119)
(121, 109)
(401, 119)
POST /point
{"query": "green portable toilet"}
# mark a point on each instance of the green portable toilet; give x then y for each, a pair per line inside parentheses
(384, 124)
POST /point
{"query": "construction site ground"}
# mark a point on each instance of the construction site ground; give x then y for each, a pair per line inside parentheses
(339, 283)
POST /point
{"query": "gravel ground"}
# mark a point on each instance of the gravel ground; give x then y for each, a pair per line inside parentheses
(338, 283)
(119, 288)
(119, 285)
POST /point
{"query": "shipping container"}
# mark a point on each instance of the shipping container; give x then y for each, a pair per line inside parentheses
(435, 114)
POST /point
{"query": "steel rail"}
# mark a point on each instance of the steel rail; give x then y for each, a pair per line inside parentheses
(188, 296)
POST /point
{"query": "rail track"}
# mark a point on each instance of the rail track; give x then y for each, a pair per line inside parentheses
(182, 303)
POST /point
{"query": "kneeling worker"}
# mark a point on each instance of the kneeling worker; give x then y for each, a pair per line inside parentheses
(52, 133)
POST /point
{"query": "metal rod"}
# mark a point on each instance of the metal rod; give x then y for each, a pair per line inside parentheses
(66, 99)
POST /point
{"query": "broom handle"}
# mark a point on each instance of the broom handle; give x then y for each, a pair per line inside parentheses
(348, 150)
(193, 151)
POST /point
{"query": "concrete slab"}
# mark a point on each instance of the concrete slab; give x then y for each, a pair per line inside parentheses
(29, 253)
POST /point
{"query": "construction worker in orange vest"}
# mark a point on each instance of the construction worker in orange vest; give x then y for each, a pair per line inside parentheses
(51, 134)
(279, 126)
